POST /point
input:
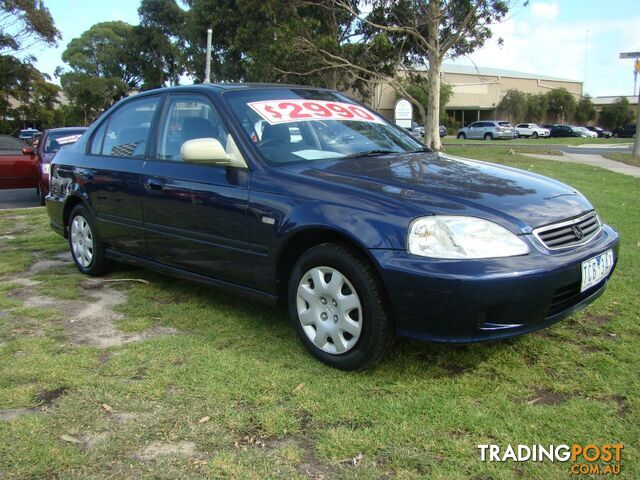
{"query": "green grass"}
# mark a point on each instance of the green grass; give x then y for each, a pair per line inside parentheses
(623, 157)
(452, 140)
(274, 412)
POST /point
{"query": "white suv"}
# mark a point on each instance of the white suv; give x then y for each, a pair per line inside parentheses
(531, 130)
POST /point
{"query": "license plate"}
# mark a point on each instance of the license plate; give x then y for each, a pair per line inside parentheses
(595, 269)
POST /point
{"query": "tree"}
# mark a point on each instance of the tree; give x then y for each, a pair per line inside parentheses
(585, 110)
(105, 50)
(413, 34)
(91, 95)
(156, 43)
(616, 114)
(24, 23)
(27, 98)
(513, 105)
(561, 104)
(535, 107)
(416, 86)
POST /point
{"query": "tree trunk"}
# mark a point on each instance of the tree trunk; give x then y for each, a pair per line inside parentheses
(432, 122)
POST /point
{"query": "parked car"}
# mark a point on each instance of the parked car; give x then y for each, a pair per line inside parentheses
(627, 131)
(367, 239)
(531, 130)
(602, 133)
(417, 131)
(27, 134)
(487, 130)
(17, 164)
(47, 146)
(588, 133)
(568, 131)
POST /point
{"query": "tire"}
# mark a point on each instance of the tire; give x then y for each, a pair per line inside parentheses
(488, 136)
(461, 136)
(534, 135)
(615, 135)
(350, 288)
(84, 243)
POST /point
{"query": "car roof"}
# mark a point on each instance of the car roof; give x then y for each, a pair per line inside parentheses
(65, 129)
(231, 86)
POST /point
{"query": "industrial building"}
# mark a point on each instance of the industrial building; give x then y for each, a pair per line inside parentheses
(478, 90)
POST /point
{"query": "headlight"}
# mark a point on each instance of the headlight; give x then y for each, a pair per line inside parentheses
(46, 168)
(462, 237)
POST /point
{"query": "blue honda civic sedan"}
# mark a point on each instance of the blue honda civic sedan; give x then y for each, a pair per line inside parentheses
(303, 197)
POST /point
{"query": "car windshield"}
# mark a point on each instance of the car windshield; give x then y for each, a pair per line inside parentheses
(57, 140)
(290, 125)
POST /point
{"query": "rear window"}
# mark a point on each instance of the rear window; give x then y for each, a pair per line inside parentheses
(504, 124)
(57, 140)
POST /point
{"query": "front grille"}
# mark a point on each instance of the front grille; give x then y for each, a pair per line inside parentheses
(565, 297)
(570, 233)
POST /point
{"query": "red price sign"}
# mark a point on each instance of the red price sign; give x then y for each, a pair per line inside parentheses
(285, 111)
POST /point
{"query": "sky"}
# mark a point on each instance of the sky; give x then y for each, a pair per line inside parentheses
(574, 39)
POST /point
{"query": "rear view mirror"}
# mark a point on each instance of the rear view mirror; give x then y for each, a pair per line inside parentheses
(209, 151)
(28, 151)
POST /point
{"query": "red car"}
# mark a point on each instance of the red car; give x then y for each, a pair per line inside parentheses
(48, 145)
(17, 164)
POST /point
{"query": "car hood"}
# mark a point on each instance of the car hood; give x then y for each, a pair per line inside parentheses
(435, 183)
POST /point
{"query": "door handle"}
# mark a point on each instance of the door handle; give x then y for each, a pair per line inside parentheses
(152, 184)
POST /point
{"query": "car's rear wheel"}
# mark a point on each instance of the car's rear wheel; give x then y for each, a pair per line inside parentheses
(488, 136)
(461, 136)
(337, 305)
(534, 135)
(615, 135)
(85, 245)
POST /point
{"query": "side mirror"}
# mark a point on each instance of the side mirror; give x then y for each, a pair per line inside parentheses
(209, 151)
(28, 151)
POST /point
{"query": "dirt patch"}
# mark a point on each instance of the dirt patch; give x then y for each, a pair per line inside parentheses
(56, 261)
(9, 414)
(159, 449)
(544, 396)
(90, 321)
(621, 404)
(598, 319)
(46, 397)
(92, 440)
(123, 417)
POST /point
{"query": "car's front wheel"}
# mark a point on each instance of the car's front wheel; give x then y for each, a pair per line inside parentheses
(338, 307)
(461, 136)
(85, 245)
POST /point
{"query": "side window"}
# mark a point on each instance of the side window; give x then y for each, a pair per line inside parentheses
(128, 128)
(188, 117)
(98, 138)
(474, 124)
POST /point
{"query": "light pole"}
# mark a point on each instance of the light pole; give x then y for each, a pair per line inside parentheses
(207, 71)
(636, 67)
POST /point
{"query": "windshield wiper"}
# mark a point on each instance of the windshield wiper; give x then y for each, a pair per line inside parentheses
(368, 153)
(421, 149)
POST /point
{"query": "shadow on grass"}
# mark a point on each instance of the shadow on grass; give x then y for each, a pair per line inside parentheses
(259, 330)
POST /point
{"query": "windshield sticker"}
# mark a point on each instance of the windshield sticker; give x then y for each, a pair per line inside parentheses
(68, 139)
(286, 111)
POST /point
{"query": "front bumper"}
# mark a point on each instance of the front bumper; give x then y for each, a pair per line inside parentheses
(465, 301)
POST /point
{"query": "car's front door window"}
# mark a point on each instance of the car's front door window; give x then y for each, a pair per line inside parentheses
(188, 117)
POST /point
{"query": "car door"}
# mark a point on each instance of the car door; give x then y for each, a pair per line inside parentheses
(111, 173)
(472, 131)
(195, 214)
(17, 170)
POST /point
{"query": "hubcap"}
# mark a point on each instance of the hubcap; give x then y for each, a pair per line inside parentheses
(81, 241)
(329, 310)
